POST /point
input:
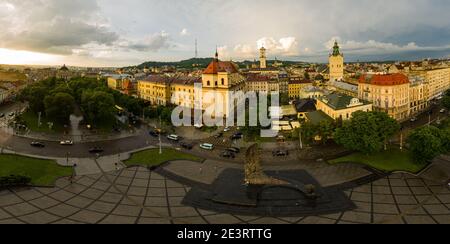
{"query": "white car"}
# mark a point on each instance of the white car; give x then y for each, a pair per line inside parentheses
(226, 129)
(173, 137)
(442, 111)
(66, 143)
(207, 146)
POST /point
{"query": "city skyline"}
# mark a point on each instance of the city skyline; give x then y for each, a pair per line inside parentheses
(97, 33)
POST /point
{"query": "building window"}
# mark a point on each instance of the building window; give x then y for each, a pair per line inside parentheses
(209, 83)
(216, 83)
(223, 81)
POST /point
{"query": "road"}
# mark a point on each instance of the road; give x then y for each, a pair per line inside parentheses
(143, 140)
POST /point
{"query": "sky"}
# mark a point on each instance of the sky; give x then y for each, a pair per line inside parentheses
(122, 33)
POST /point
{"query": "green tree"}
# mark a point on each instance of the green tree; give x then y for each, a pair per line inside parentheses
(307, 76)
(425, 143)
(326, 130)
(366, 132)
(309, 131)
(446, 100)
(59, 107)
(97, 106)
(35, 95)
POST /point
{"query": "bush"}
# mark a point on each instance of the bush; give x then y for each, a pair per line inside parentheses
(14, 180)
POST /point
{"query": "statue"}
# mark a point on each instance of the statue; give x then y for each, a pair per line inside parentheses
(254, 174)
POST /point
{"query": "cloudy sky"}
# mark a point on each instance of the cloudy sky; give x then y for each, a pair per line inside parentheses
(118, 32)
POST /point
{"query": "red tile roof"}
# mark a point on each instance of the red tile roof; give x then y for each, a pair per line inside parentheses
(220, 66)
(384, 80)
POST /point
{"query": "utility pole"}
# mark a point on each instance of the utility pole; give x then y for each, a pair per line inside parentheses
(160, 131)
(300, 136)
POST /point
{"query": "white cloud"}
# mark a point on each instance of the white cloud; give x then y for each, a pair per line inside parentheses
(184, 32)
(286, 46)
(372, 46)
(152, 42)
(283, 46)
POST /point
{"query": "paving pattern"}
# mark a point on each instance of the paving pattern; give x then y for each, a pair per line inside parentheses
(137, 196)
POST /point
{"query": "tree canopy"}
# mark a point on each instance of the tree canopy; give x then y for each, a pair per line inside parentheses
(366, 132)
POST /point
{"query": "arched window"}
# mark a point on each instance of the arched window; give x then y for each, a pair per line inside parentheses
(209, 83)
(216, 83)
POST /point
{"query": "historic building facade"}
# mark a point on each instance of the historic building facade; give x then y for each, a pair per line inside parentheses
(336, 64)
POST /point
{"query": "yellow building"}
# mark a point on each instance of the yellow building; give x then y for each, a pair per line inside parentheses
(336, 62)
(262, 84)
(418, 95)
(155, 89)
(438, 80)
(219, 79)
(341, 106)
(222, 79)
(116, 81)
(388, 93)
(296, 86)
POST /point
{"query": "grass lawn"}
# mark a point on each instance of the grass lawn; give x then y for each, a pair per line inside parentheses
(42, 172)
(389, 161)
(153, 158)
(31, 121)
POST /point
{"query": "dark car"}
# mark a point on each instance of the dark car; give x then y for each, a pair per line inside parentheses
(237, 136)
(234, 150)
(153, 133)
(227, 154)
(37, 144)
(186, 145)
(96, 150)
(280, 153)
(2, 115)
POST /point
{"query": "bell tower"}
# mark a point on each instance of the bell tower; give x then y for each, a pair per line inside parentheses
(262, 58)
(336, 64)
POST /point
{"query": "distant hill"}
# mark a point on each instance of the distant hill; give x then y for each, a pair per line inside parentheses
(204, 62)
(186, 64)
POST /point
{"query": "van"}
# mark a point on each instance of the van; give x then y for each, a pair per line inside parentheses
(207, 146)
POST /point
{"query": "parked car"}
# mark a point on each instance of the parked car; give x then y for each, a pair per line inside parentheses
(37, 144)
(237, 136)
(96, 150)
(227, 154)
(2, 115)
(12, 114)
(442, 111)
(280, 153)
(186, 145)
(234, 150)
(226, 129)
(66, 143)
(207, 146)
(153, 133)
(413, 119)
(173, 137)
